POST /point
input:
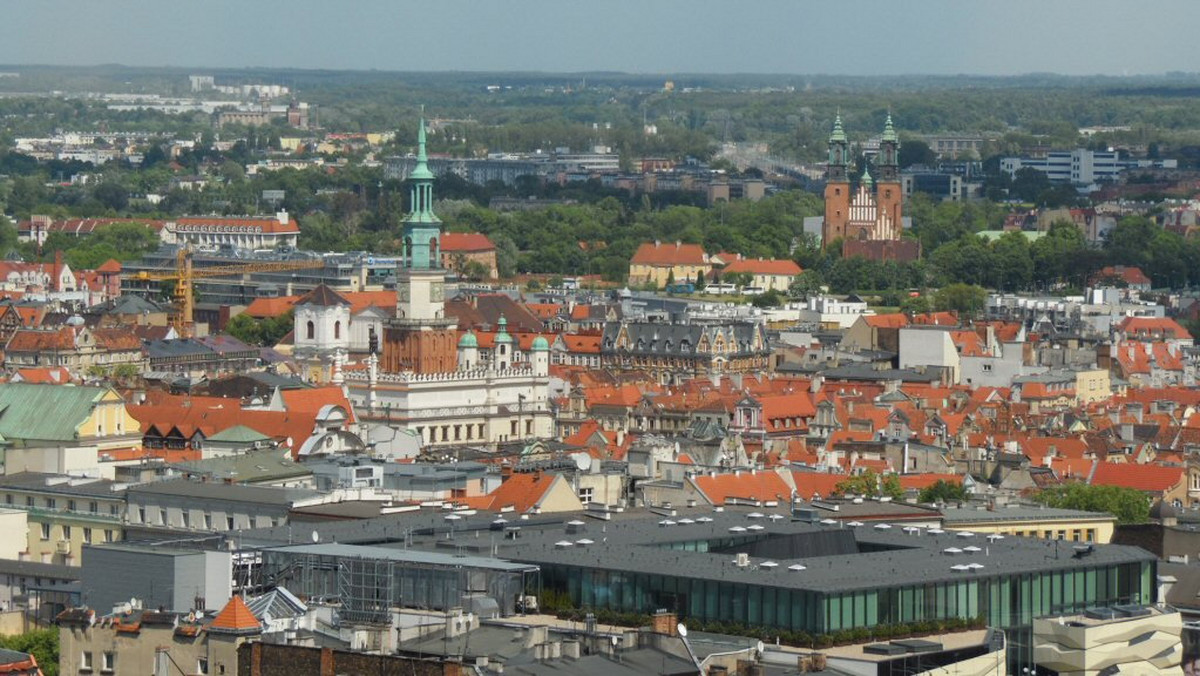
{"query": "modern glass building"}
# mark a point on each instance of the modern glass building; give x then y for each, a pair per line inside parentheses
(795, 576)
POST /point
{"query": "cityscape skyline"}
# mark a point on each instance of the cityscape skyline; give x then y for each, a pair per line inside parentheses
(670, 36)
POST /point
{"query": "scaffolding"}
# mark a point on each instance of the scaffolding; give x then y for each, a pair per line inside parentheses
(369, 582)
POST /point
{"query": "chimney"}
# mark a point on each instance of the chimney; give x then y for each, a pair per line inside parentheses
(506, 471)
(665, 623)
(56, 271)
(282, 217)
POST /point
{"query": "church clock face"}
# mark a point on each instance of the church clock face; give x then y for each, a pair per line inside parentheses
(437, 292)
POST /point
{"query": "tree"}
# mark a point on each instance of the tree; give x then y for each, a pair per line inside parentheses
(943, 491)
(770, 298)
(915, 305)
(1127, 504)
(872, 485)
(914, 151)
(965, 299)
(41, 643)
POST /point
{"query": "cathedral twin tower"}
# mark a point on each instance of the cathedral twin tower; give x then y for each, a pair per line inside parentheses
(874, 212)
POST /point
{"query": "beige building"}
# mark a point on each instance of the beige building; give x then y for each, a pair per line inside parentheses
(659, 264)
(61, 515)
(1145, 641)
(1036, 521)
(141, 642)
(1092, 385)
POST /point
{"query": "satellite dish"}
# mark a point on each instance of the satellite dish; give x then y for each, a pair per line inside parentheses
(682, 629)
(316, 537)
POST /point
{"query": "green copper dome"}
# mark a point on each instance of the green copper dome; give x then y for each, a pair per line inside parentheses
(502, 331)
(866, 178)
(468, 340)
(540, 344)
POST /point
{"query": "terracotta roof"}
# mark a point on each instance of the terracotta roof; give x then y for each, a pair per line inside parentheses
(466, 242)
(521, 492)
(894, 320)
(1153, 327)
(1128, 274)
(34, 340)
(752, 485)
(657, 253)
(262, 308)
(236, 618)
(809, 484)
(772, 266)
(935, 319)
(1147, 478)
(110, 266)
(926, 479)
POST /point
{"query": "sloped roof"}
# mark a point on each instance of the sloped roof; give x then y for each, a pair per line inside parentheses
(756, 485)
(521, 492)
(1148, 478)
(322, 296)
(466, 242)
(268, 225)
(770, 266)
(24, 409)
(235, 618)
(238, 434)
(894, 320)
(657, 253)
(261, 308)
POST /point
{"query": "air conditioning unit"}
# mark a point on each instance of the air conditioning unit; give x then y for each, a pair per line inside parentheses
(742, 560)
(63, 547)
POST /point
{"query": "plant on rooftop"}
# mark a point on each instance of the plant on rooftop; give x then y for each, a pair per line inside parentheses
(1129, 505)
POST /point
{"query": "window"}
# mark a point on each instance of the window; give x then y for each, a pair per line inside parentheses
(108, 536)
(109, 663)
(70, 505)
(87, 535)
(207, 521)
(201, 665)
(8, 498)
(66, 531)
(187, 519)
(51, 503)
(162, 516)
(29, 501)
(229, 523)
(141, 515)
(585, 494)
(45, 531)
(93, 507)
(85, 661)
(309, 330)
(337, 330)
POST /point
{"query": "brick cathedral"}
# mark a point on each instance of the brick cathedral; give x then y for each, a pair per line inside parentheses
(869, 220)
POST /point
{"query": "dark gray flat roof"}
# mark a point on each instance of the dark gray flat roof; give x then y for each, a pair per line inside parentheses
(954, 516)
(61, 484)
(222, 491)
(914, 559)
(415, 556)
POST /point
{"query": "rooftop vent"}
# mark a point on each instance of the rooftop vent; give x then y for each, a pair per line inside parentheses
(742, 560)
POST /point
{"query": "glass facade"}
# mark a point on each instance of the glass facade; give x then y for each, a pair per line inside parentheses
(1008, 602)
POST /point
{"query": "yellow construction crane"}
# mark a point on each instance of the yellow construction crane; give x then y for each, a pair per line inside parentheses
(183, 275)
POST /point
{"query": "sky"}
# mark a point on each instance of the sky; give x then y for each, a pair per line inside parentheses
(849, 37)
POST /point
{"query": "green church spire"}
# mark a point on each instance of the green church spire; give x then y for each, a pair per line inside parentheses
(838, 135)
(889, 132)
(422, 227)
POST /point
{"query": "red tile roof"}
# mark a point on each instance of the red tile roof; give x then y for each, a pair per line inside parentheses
(926, 479)
(751, 485)
(764, 267)
(262, 308)
(657, 253)
(235, 617)
(466, 242)
(520, 492)
(894, 320)
(1153, 327)
(1148, 478)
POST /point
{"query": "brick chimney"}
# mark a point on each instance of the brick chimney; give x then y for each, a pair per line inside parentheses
(665, 622)
(56, 271)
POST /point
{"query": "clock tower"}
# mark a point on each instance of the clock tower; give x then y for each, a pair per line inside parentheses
(420, 338)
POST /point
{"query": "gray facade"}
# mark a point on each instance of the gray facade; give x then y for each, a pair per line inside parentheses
(172, 579)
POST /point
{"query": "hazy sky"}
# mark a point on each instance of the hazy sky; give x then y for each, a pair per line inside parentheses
(852, 37)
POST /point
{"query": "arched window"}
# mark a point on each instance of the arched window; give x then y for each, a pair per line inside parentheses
(337, 330)
(310, 331)
(434, 258)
